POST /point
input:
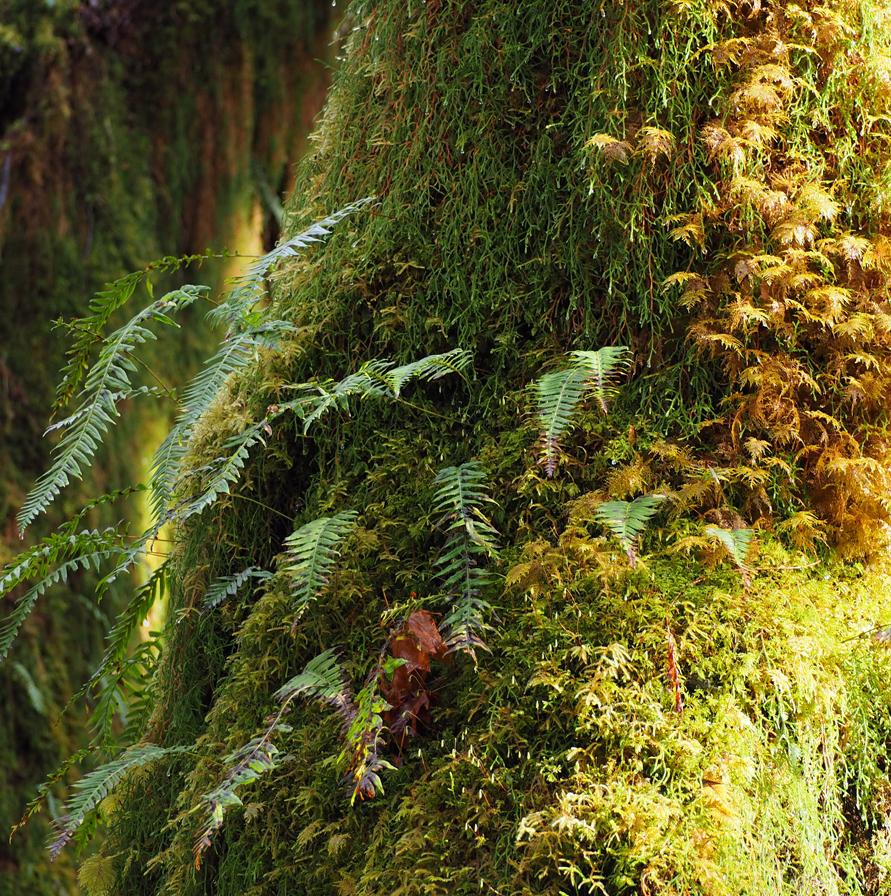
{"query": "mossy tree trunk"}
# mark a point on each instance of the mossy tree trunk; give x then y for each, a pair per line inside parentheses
(127, 131)
(702, 182)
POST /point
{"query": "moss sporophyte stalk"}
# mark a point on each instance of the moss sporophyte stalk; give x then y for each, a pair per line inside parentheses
(502, 524)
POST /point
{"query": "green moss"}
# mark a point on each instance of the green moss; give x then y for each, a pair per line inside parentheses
(557, 763)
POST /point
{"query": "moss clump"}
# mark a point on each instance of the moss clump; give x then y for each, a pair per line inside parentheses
(541, 171)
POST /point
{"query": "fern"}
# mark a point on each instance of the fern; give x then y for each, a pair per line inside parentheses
(559, 394)
(627, 519)
(51, 560)
(248, 288)
(107, 383)
(254, 759)
(221, 474)
(98, 784)
(313, 550)
(234, 354)
(470, 538)
(325, 679)
(377, 378)
(228, 586)
(120, 675)
(739, 544)
(87, 331)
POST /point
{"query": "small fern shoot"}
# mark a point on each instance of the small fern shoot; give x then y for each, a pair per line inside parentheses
(228, 586)
(627, 519)
(313, 550)
(559, 394)
(739, 544)
(470, 540)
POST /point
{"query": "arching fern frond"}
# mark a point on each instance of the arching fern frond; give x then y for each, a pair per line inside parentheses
(248, 288)
(98, 784)
(739, 544)
(324, 679)
(51, 561)
(470, 540)
(236, 351)
(377, 378)
(87, 331)
(627, 519)
(361, 717)
(559, 394)
(313, 550)
(114, 673)
(106, 384)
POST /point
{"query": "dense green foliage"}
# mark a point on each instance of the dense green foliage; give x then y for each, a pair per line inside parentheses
(642, 720)
(126, 130)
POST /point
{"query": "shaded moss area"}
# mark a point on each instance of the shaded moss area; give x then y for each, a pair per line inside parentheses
(128, 130)
(541, 170)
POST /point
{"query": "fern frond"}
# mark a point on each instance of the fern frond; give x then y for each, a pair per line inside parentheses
(324, 679)
(98, 784)
(313, 548)
(221, 474)
(114, 673)
(106, 383)
(377, 378)
(228, 586)
(248, 288)
(431, 368)
(87, 331)
(559, 394)
(236, 351)
(52, 560)
(738, 543)
(254, 759)
(627, 519)
(470, 539)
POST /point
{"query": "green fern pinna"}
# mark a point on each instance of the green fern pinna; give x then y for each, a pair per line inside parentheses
(465, 395)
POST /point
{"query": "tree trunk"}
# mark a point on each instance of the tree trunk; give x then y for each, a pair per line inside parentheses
(654, 710)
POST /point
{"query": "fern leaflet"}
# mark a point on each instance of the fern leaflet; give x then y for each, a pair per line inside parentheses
(738, 543)
(313, 550)
(627, 519)
(228, 586)
(559, 394)
(470, 538)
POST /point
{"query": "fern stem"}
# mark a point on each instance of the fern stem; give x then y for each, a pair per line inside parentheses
(264, 506)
